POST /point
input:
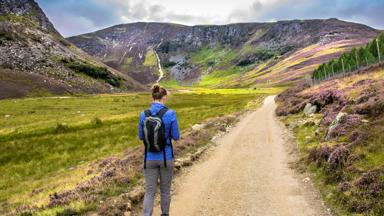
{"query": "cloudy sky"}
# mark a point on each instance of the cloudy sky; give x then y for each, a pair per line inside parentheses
(72, 17)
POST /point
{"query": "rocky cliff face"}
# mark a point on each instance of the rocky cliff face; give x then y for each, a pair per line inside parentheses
(27, 8)
(36, 58)
(181, 49)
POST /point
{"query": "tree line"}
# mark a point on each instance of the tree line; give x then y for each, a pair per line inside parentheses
(351, 61)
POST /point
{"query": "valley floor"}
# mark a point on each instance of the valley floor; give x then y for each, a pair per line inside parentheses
(247, 173)
(49, 145)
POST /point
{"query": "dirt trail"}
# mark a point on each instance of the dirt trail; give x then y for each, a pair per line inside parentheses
(246, 173)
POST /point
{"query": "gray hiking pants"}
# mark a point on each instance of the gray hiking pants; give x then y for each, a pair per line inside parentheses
(154, 170)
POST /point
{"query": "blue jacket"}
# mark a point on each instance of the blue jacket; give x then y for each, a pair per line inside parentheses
(171, 130)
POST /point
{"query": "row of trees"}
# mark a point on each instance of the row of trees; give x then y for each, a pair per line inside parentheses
(350, 61)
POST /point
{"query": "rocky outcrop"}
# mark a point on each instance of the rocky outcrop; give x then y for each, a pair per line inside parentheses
(35, 57)
(309, 109)
(27, 8)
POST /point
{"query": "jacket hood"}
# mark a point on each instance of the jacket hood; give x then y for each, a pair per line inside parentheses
(156, 107)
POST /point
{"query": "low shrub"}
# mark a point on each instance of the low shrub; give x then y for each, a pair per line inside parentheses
(345, 126)
(327, 97)
(5, 36)
(290, 101)
(169, 64)
(368, 193)
(65, 42)
(68, 212)
(245, 62)
(373, 107)
(338, 158)
(319, 155)
(61, 128)
(96, 121)
(92, 71)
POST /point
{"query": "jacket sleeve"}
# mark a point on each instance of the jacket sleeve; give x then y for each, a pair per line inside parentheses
(141, 120)
(175, 135)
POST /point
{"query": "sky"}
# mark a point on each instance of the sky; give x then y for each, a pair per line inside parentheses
(74, 17)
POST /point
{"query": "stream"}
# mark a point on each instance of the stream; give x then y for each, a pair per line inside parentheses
(161, 72)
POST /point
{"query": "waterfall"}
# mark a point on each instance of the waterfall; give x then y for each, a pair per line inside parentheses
(160, 69)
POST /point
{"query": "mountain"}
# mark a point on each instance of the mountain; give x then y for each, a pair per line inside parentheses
(35, 59)
(234, 55)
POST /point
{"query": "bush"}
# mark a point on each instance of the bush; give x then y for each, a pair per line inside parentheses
(169, 64)
(368, 193)
(5, 36)
(290, 102)
(338, 158)
(92, 71)
(61, 128)
(326, 97)
(345, 126)
(259, 55)
(373, 107)
(67, 212)
(319, 155)
(96, 121)
(245, 62)
(65, 42)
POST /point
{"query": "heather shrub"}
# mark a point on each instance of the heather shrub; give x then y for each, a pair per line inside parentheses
(352, 158)
(326, 97)
(344, 186)
(345, 125)
(363, 82)
(319, 155)
(328, 116)
(338, 158)
(291, 107)
(113, 207)
(333, 162)
(373, 107)
(331, 159)
(368, 193)
(290, 102)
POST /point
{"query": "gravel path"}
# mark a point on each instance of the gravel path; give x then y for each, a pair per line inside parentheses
(246, 173)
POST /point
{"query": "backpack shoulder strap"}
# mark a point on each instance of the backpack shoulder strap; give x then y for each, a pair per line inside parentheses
(147, 113)
(162, 112)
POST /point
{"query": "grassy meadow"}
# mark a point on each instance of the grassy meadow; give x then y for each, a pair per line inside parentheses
(46, 143)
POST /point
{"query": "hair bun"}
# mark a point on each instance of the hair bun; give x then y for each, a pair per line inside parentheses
(158, 92)
(155, 88)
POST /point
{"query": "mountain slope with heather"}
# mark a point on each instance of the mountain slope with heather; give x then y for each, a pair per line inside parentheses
(234, 55)
(338, 125)
(35, 59)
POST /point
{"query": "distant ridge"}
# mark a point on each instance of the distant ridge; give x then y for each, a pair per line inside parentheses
(130, 48)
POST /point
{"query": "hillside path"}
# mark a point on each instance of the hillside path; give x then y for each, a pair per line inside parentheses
(246, 173)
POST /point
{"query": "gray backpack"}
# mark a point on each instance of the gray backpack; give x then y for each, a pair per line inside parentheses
(154, 133)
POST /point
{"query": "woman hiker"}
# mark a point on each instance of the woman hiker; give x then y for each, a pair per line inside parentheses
(157, 127)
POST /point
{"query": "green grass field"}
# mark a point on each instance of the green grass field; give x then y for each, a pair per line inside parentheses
(45, 143)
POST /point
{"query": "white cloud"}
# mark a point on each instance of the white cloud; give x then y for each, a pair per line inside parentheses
(96, 14)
